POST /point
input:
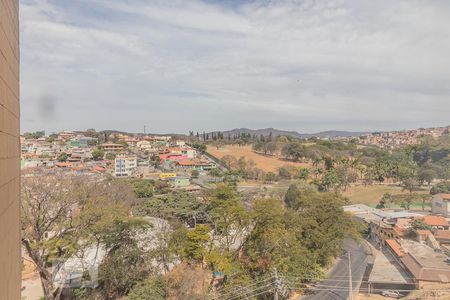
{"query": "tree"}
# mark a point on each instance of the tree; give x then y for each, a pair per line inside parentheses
(381, 204)
(63, 157)
(408, 176)
(110, 156)
(175, 205)
(91, 132)
(293, 150)
(441, 188)
(143, 188)
(62, 216)
(51, 138)
(215, 172)
(270, 177)
(406, 204)
(267, 236)
(230, 162)
(284, 173)
(98, 154)
(34, 135)
(321, 224)
(200, 147)
(329, 182)
(419, 224)
(426, 175)
(387, 199)
(195, 173)
(298, 194)
(47, 225)
(152, 288)
(228, 215)
(303, 174)
(346, 174)
(197, 243)
(125, 263)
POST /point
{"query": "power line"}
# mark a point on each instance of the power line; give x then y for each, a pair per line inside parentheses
(268, 288)
(240, 289)
(310, 277)
(254, 295)
(329, 280)
(249, 292)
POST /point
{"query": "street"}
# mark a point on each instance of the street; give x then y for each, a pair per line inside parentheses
(336, 286)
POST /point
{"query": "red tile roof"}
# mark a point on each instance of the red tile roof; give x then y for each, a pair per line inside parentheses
(423, 232)
(186, 163)
(63, 164)
(99, 169)
(442, 234)
(396, 247)
(400, 231)
(434, 220)
(445, 196)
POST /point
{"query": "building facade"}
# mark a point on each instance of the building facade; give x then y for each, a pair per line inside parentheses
(10, 261)
(125, 165)
(440, 204)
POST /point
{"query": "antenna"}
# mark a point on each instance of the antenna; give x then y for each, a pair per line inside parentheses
(144, 129)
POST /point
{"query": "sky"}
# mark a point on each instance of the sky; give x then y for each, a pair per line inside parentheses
(181, 65)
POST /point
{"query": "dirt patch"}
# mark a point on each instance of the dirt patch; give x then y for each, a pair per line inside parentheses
(29, 269)
(264, 162)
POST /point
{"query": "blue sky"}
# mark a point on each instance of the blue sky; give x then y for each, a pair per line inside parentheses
(180, 65)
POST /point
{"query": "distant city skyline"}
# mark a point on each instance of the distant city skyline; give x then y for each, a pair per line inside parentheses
(175, 66)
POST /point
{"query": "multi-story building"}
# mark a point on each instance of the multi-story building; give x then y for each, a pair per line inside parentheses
(10, 262)
(112, 147)
(125, 165)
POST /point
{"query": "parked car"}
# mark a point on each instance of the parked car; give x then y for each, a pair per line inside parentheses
(391, 294)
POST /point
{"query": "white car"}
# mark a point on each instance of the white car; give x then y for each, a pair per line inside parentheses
(391, 294)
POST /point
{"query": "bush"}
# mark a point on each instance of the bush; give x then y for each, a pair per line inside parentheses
(152, 288)
(441, 188)
(143, 188)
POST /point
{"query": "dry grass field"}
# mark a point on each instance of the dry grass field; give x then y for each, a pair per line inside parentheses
(266, 163)
(372, 194)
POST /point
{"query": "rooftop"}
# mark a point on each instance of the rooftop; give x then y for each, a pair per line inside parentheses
(434, 220)
(425, 255)
(442, 234)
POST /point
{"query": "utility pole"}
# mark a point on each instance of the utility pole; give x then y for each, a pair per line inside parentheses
(350, 283)
(275, 275)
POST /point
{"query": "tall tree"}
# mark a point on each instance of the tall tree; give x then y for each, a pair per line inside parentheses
(62, 215)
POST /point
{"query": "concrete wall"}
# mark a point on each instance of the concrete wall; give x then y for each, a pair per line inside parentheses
(440, 206)
(9, 151)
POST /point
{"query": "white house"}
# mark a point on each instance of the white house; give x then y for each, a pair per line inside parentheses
(125, 165)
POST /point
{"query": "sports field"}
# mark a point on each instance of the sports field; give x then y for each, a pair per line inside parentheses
(263, 162)
(372, 194)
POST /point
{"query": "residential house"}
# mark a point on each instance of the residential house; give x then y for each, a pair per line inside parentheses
(435, 222)
(422, 261)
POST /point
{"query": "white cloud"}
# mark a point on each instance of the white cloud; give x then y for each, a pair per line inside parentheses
(183, 65)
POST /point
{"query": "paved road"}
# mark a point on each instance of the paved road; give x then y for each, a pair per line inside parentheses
(336, 286)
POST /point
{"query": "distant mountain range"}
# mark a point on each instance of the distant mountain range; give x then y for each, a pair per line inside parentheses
(294, 134)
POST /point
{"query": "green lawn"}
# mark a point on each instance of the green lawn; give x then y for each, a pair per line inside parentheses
(372, 194)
